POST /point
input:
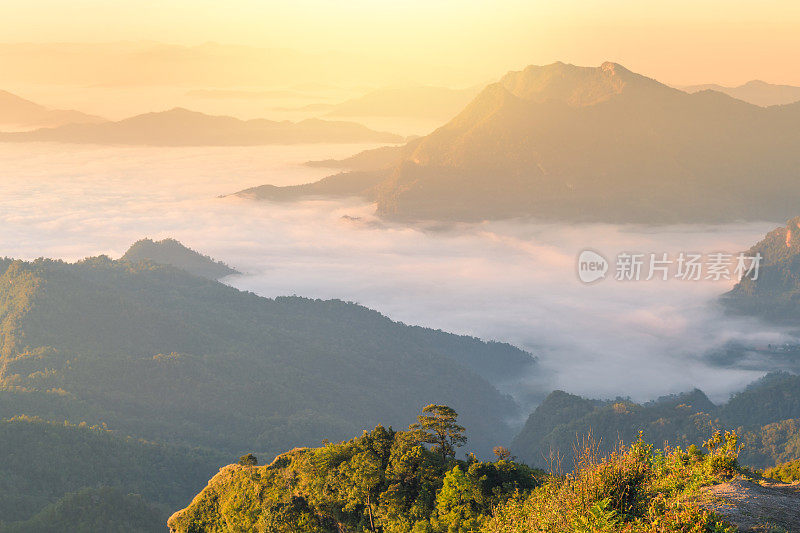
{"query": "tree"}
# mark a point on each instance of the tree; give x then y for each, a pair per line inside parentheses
(502, 453)
(413, 475)
(360, 477)
(248, 460)
(456, 510)
(437, 426)
(365, 475)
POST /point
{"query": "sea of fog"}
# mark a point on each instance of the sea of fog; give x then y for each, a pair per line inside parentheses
(506, 281)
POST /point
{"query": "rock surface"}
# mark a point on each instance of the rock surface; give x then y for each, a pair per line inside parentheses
(766, 506)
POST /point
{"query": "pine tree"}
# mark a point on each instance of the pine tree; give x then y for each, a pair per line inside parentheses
(437, 426)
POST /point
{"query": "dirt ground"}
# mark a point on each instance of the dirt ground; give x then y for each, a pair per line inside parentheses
(765, 506)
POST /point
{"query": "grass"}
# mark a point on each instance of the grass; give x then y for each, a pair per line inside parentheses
(634, 489)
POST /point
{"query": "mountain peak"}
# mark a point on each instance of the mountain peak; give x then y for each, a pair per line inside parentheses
(182, 111)
(609, 66)
(172, 252)
(179, 112)
(779, 244)
(756, 83)
(574, 85)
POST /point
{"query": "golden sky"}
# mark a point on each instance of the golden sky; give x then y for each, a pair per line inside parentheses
(677, 41)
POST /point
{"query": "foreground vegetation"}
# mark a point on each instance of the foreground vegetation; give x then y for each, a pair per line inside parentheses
(788, 472)
(384, 481)
(390, 481)
(634, 489)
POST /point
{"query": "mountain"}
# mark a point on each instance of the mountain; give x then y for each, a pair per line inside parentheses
(343, 185)
(412, 102)
(774, 294)
(372, 160)
(41, 462)
(773, 398)
(569, 143)
(181, 127)
(18, 112)
(766, 415)
(755, 92)
(161, 354)
(172, 252)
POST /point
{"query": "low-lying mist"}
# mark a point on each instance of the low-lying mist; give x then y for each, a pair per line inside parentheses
(507, 281)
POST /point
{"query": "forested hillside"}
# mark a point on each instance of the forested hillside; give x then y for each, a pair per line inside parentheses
(43, 461)
(765, 415)
(172, 252)
(773, 295)
(158, 353)
(90, 510)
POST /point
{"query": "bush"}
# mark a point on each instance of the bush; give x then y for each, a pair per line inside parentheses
(633, 489)
(248, 460)
(787, 472)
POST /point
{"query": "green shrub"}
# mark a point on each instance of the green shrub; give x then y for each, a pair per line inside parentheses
(788, 472)
(634, 489)
(248, 460)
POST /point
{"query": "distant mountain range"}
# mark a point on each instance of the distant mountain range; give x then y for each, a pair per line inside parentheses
(415, 102)
(18, 112)
(562, 142)
(755, 92)
(423, 102)
(216, 94)
(766, 415)
(173, 253)
(181, 127)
